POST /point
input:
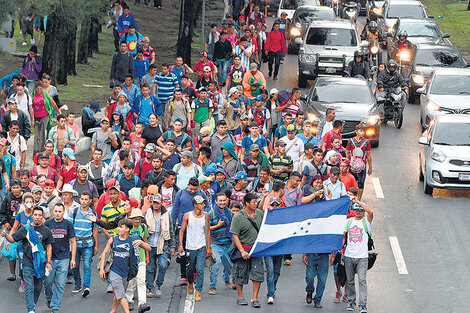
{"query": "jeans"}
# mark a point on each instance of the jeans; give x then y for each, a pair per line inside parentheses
(273, 271)
(198, 126)
(276, 58)
(57, 277)
(160, 260)
(222, 258)
(317, 267)
(20, 260)
(86, 254)
(40, 126)
(223, 69)
(32, 288)
(116, 39)
(197, 260)
(139, 282)
(353, 265)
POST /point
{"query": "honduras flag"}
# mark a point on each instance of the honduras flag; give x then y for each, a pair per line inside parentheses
(309, 228)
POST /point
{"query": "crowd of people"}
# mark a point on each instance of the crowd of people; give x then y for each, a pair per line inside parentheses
(185, 162)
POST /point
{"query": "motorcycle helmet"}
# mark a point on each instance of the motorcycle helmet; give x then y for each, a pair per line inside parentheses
(183, 258)
(402, 35)
(373, 26)
(358, 53)
(392, 66)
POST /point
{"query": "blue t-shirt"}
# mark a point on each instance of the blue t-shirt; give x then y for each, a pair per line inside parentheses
(146, 108)
(121, 255)
(141, 67)
(179, 72)
(62, 232)
(313, 139)
(171, 161)
(9, 162)
(247, 142)
(23, 218)
(128, 184)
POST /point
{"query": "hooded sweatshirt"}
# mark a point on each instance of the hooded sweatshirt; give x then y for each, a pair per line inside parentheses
(232, 166)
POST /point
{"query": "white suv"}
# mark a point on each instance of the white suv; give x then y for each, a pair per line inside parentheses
(327, 48)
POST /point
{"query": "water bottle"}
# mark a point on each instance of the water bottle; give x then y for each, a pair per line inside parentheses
(47, 272)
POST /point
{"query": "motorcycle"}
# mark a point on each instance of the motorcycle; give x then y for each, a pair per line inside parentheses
(393, 106)
(350, 10)
(375, 56)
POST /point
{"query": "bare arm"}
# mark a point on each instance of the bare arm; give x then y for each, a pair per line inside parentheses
(181, 234)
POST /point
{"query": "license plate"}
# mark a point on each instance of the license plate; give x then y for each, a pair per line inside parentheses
(330, 70)
(464, 177)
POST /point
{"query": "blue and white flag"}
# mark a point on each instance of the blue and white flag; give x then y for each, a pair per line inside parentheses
(309, 228)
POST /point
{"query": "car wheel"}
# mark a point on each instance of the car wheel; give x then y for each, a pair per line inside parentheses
(427, 189)
(412, 97)
(421, 175)
(375, 144)
(302, 81)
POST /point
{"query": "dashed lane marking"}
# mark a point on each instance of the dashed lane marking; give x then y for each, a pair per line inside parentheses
(378, 188)
(401, 266)
(189, 303)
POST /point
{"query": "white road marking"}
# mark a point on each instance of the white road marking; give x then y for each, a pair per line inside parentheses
(378, 188)
(189, 303)
(398, 255)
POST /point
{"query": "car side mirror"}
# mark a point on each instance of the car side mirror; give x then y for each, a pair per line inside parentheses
(423, 140)
(431, 16)
(299, 41)
(421, 91)
(364, 44)
(468, 64)
(389, 35)
(303, 98)
(446, 35)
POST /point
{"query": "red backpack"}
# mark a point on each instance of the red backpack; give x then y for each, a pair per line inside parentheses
(284, 96)
(259, 115)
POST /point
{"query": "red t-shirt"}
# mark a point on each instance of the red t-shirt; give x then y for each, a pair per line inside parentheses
(142, 167)
(199, 68)
(348, 180)
(69, 174)
(54, 160)
(136, 140)
(365, 143)
(327, 138)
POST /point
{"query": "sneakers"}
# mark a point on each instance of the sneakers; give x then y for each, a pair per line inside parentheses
(86, 292)
(144, 307)
(69, 281)
(183, 282)
(362, 309)
(150, 293)
(158, 292)
(212, 292)
(350, 307)
(242, 301)
(270, 300)
(275, 78)
(131, 306)
(317, 305)
(228, 285)
(32, 41)
(76, 289)
(190, 288)
(12, 277)
(308, 298)
(24, 43)
(255, 303)
(48, 303)
(286, 262)
(109, 289)
(21, 289)
(345, 298)
(197, 296)
(338, 297)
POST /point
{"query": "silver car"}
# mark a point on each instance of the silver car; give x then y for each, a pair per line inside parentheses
(444, 156)
(446, 91)
(395, 9)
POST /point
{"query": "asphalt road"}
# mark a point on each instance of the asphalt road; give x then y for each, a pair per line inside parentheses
(432, 234)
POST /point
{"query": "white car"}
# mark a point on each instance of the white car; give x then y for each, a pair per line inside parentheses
(395, 9)
(444, 156)
(289, 6)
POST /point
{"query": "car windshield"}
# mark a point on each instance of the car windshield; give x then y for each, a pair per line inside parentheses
(331, 37)
(306, 15)
(452, 134)
(451, 85)
(401, 11)
(327, 92)
(289, 4)
(428, 57)
(420, 30)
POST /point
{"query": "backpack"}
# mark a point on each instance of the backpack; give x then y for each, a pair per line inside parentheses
(357, 161)
(135, 176)
(284, 96)
(74, 214)
(182, 141)
(370, 243)
(196, 171)
(90, 184)
(259, 115)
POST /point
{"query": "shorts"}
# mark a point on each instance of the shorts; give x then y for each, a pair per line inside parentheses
(119, 285)
(251, 269)
(27, 26)
(361, 178)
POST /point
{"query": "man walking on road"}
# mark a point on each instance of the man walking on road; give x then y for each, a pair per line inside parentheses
(356, 237)
(245, 227)
(358, 150)
(275, 49)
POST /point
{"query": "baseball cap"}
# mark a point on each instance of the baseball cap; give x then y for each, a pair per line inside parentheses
(254, 147)
(12, 99)
(280, 143)
(334, 170)
(290, 128)
(129, 164)
(243, 117)
(202, 179)
(133, 202)
(228, 15)
(49, 141)
(356, 207)
(225, 22)
(232, 91)
(187, 153)
(240, 175)
(150, 147)
(253, 66)
(36, 189)
(157, 198)
(96, 106)
(103, 119)
(309, 145)
(205, 131)
(152, 189)
(275, 200)
(47, 183)
(69, 152)
(135, 212)
(254, 124)
(259, 98)
(81, 168)
(273, 91)
(307, 122)
(346, 161)
(17, 182)
(114, 187)
(207, 68)
(198, 200)
(3, 142)
(179, 120)
(202, 89)
(43, 155)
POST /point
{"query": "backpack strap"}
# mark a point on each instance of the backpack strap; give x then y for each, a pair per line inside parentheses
(364, 224)
(178, 167)
(348, 224)
(75, 212)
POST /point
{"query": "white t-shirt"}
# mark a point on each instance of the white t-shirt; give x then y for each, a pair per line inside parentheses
(328, 126)
(24, 103)
(356, 245)
(167, 195)
(297, 147)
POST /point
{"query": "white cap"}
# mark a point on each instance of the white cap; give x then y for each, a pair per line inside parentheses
(273, 91)
(232, 91)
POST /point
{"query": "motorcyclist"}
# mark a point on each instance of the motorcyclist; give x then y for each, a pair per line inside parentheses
(402, 43)
(371, 33)
(390, 78)
(358, 66)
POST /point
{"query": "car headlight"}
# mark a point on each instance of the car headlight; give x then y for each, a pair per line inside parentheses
(377, 10)
(374, 49)
(371, 120)
(298, 25)
(390, 30)
(312, 117)
(438, 156)
(404, 55)
(418, 79)
(295, 32)
(431, 106)
(308, 58)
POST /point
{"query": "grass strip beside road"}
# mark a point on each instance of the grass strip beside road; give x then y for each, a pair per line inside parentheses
(453, 18)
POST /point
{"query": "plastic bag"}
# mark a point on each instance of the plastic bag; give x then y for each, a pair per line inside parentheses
(11, 253)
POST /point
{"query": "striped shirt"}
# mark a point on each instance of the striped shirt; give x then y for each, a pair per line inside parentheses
(166, 86)
(276, 162)
(83, 226)
(245, 60)
(110, 213)
(219, 235)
